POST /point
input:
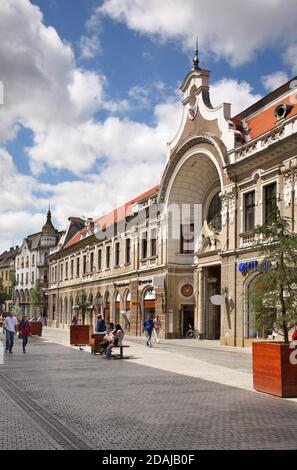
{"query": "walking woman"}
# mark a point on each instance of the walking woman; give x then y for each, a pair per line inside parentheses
(25, 330)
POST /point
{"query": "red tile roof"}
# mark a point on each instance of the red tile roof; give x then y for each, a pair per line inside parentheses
(114, 216)
(260, 116)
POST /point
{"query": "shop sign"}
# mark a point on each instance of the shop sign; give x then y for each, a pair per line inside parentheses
(253, 265)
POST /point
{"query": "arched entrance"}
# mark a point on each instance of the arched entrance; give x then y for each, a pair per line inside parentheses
(127, 309)
(106, 311)
(117, 307)
(70, 313)
(65, 311)
(91, 310)
(98, 303)
(149, 303)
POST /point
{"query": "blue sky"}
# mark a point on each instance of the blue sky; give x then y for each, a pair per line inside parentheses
(91, 93)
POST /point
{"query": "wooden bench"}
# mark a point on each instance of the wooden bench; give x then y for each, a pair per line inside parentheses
(121, 349)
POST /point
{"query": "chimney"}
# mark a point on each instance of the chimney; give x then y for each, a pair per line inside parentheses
(11, 248)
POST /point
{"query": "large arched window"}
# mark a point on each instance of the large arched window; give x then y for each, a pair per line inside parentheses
(214, 214)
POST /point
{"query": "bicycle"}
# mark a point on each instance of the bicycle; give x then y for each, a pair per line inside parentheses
(193, 333)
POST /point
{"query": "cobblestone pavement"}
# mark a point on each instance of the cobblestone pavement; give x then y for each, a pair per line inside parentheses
(57, 397)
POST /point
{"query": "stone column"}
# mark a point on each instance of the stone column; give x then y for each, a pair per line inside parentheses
(200, 302)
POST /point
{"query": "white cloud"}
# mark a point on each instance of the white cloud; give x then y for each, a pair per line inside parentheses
(44, 88)
(16, 225)
(15, 189)
(290, 57)
(239, 93)
(274, 80)
(89, 46)
(58, 100)
(230, 29)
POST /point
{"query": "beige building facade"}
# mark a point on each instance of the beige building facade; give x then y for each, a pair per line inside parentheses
(185, 249)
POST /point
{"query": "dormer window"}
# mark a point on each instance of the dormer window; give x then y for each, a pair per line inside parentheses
(282, 110)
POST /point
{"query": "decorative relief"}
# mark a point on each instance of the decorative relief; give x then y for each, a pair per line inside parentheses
(272, 138)
(193, 110)
(288, 180)
(228, 206)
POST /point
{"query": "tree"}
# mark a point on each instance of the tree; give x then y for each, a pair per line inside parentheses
(3, 295)
(82, 306)
(36, 300)
(274, 293)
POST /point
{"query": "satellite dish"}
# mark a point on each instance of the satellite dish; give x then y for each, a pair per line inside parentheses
(217, 299)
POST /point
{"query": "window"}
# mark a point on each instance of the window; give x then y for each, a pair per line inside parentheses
(18, 279)
(71, 268)
(107, 257)
(99, 260)
(153, 242)
(32, 278)
(92, 262)
(117, 254)
(144, 245)
(22, 278)
(84, 264)
(249, 211)
(187, 238)
(33, 260)
(61, 272)
(269, 202)
(128, 251)
(77, 267)
(27, 278)
(66, 270)
(214, 215)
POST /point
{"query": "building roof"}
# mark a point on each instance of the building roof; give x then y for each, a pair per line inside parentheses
(115, 216)
(260, 117)
(8, 256)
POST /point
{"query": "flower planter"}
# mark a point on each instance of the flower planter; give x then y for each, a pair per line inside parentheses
(96, 341)
(36, 328)
(81, 334)
(273, 370)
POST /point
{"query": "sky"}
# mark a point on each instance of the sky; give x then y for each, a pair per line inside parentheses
(91, 93)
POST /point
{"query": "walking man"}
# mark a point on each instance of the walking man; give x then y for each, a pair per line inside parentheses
(10, 324)
(148, 326)
(157, 328)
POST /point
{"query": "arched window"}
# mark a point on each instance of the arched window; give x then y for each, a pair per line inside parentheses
(214, 214)
(149, 303)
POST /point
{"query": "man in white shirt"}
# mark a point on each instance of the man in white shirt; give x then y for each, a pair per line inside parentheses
(10, 324)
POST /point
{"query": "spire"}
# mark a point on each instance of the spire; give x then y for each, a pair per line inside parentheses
(196, 58)
(48, 228)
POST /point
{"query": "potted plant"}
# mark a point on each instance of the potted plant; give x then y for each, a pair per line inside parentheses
(274, 301)
(36, 300)
(80, 334)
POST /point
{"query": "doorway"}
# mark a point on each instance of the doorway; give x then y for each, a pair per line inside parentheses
(213, 312)
(187, 318)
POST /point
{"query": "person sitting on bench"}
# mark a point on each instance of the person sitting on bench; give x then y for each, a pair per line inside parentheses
(114, 341)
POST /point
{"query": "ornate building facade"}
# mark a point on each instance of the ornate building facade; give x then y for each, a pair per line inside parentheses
(7, 275)
(31, 264)
(185, 249)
